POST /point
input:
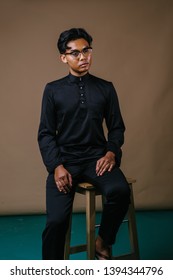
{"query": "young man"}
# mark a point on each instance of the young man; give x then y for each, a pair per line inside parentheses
(74, 148)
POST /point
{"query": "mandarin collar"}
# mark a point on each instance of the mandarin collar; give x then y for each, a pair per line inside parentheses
(76, 79)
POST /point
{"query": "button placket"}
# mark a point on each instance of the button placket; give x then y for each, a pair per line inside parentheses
(82, 93)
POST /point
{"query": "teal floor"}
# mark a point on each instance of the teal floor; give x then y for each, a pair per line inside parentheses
(20, 236)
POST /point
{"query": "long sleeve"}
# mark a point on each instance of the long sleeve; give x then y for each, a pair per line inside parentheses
(47, 132)
(115, 124)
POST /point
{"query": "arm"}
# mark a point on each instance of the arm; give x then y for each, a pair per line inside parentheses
(47, 132)
(47, 142)
(115, 137)
(114, 124)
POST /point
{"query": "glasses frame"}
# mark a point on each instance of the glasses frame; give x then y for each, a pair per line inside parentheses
(78, 53)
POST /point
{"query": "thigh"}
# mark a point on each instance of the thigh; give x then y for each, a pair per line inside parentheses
(110, 183)
(58, 204)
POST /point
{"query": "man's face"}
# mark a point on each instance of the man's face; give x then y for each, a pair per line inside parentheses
(78, 56)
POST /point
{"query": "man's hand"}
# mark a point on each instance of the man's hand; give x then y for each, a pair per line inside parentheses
(63, 179)
(105, 163)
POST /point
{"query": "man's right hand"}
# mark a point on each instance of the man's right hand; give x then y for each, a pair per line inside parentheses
(63, 179)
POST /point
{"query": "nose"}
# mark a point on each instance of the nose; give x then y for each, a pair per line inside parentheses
(81, 56)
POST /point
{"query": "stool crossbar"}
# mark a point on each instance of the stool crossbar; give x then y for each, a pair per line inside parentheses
(90, 193)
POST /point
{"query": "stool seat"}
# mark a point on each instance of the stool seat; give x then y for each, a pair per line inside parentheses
(90, 192)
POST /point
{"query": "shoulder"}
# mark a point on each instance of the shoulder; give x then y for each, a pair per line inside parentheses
(102, 84)
(105, 86)
(100, 80)
(57, 83)
(54, 86)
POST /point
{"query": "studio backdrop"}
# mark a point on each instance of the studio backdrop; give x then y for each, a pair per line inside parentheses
(132, 47)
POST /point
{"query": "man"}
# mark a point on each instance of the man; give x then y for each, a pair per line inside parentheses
(74, 148)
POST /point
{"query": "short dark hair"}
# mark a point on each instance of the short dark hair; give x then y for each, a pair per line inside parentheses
(71, 35)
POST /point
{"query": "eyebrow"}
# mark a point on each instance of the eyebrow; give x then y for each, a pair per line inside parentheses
(74, 50)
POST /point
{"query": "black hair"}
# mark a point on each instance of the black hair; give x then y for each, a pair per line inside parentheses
(71, 35)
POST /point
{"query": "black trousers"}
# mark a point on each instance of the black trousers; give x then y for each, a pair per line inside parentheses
(112, 185)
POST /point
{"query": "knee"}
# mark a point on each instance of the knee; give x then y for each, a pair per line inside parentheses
(120, 192)
(124, 190)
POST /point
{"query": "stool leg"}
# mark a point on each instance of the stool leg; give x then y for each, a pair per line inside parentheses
(90, 223)
(132, 228)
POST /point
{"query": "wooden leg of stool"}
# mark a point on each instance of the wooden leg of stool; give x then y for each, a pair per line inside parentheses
(90, 224)
(132, 228)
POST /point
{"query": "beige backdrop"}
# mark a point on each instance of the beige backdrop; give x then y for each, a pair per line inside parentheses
(133, 47)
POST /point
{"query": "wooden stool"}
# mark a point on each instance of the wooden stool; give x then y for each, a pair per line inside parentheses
(90, 192)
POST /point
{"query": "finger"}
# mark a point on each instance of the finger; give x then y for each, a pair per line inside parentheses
(111, 166)
(104, 168)
(97, 165)
(64, 185)
(67, 189)
(100, 170)
(59, 185)
(69, 179)
(64, 189)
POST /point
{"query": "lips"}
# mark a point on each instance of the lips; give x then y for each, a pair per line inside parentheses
(83, 64)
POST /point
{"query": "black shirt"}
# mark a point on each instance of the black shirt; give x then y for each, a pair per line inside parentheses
(71, 123)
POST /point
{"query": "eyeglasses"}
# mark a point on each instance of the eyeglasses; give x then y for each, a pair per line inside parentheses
(76, 54)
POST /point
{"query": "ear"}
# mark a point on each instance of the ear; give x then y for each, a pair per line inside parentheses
(63, 58)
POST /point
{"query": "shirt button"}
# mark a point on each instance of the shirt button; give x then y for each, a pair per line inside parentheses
(81, 94)
(81, 87)
(82, 102)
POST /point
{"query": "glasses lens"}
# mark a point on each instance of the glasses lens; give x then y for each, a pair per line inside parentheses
(87, 51)
(76, 53)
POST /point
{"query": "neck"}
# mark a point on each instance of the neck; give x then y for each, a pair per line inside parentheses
(78, 74)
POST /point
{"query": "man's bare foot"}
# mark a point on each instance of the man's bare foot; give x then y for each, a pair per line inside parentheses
(103, 251)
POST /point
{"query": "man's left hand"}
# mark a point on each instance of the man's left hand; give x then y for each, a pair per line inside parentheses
(105, 163)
